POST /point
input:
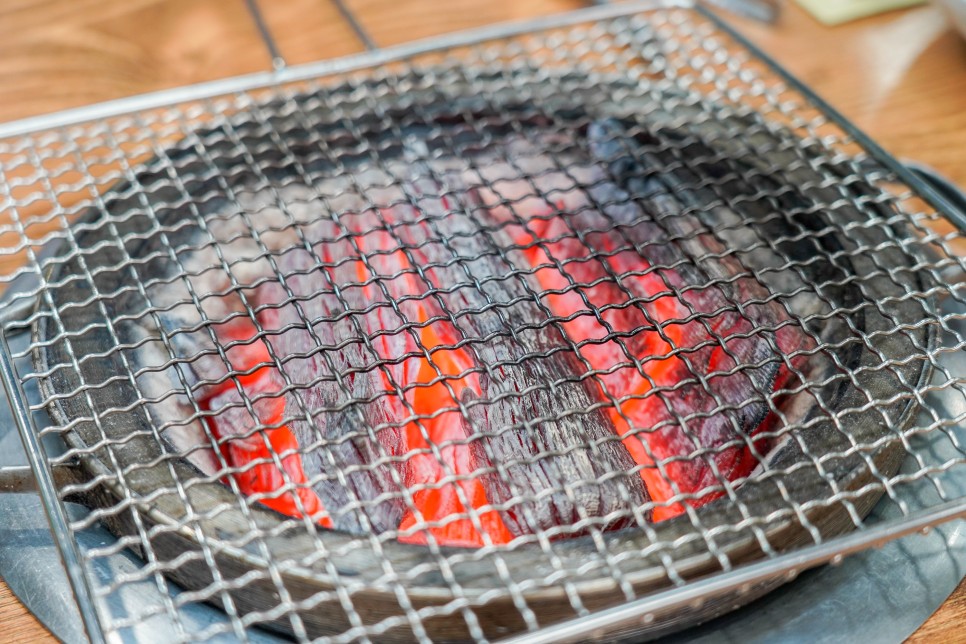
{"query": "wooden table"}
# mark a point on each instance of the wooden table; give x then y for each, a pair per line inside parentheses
(900, 76)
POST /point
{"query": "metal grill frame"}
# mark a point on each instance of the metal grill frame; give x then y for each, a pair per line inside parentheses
(741, 580)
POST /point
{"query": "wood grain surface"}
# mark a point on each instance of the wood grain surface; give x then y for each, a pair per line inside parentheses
(899, 76)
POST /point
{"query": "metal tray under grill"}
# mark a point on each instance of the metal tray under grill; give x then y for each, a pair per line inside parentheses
(828, 498)
(113, 212)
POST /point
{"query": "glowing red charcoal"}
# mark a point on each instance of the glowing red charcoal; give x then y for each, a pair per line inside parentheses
(254, 451)
(257, 452)
(645, 319)
(440, 503)
(429, 397)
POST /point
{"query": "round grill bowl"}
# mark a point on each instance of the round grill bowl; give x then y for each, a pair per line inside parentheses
(844, 424)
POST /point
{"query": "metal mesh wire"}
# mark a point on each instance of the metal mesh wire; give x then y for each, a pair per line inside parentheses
(375, 288)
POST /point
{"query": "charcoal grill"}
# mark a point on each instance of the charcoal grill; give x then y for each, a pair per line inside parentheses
(103, 205)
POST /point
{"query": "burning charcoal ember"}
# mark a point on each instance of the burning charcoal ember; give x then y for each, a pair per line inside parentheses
(551, 461)
(333, 421)
(406, 332)
(685, 340)
(252, 437)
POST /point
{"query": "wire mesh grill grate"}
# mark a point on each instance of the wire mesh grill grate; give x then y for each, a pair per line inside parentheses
(540, 324)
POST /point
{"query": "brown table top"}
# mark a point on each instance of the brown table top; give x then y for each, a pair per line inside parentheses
(900, 76)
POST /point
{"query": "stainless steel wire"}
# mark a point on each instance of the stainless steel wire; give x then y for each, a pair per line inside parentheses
(278, 62)
(600, 318)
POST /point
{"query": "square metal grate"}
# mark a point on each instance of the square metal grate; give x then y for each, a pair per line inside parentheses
(590, 326)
